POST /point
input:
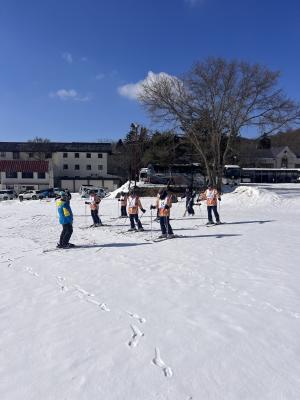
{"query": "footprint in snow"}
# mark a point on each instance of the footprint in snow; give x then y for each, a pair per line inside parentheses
(161, 364)
(79, 289)
(137, 317)
(137, 335)
(103, 306)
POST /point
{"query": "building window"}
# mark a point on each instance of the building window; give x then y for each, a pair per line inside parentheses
(3, 154)
(65, 166)
(41, 175)
(100, 155)
(30, 155)
(65, 155)
(88, 155)
(100, 167)
(27, 175)
(48, 155)
(88, 167)
(297, 165)
(76, 155)
(77, 167)
(16, 155)
(11, 174)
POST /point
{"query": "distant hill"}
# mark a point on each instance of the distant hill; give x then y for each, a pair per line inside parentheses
(289, 138)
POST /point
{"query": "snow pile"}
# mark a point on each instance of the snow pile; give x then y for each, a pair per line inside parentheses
(254, 196)
(124, 188)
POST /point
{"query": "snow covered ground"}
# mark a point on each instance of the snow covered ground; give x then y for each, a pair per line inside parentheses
(212, 315)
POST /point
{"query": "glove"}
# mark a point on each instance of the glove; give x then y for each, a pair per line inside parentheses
(166, 207)
(152, 207)
(143, 210)
(219, 198)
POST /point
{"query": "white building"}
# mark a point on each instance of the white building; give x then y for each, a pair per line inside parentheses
(72, 164)
(21, 175)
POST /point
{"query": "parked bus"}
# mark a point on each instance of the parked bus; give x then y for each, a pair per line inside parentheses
(270, 175)
(174, 174)
(231, 175)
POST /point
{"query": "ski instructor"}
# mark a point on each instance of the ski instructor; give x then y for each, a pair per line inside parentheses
(66, 220)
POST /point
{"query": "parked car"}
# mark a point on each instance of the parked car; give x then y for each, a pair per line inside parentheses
(31, 195)
(99, 191)
(57, 191)
(7, 194)
(48, 192)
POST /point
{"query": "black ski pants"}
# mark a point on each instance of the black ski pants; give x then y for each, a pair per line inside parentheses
(66, 234)
(215, 211)
(165, 226)
(123, 211)
(135, 218)
(95, 216)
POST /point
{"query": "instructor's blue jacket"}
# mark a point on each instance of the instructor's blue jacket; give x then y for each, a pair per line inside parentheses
(64, 212)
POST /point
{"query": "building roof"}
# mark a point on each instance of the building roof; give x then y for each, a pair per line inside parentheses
(23, 166)
(52, 147)
(271, 152)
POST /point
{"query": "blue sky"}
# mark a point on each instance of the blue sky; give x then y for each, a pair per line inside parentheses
(63, 62)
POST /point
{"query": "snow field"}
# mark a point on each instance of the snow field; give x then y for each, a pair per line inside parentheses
(212, 315)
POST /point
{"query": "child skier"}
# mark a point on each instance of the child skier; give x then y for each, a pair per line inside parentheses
(190, 204)
(163, 205)
(94, 202)
(211, 195)
(123, 202)
(134, 204)
(66, 220)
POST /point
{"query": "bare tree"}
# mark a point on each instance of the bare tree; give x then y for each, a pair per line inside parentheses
(38, 139)
(41, 147)
(215, 101)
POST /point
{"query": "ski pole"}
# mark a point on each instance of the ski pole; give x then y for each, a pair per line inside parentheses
(166, 224)
(151, 224)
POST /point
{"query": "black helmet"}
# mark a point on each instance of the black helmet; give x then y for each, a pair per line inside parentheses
(163, 194)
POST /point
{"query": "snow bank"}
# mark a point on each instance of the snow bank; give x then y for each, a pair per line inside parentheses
(125, 188)
(253, 196)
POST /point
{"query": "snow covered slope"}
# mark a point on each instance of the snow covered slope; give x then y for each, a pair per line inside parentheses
(212, 315)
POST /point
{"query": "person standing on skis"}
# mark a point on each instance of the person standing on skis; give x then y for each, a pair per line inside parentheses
(123, 202)
(134, 204)
(211, 195)
(94, 202)
(163, 205)
(65, 219)
(191, 203)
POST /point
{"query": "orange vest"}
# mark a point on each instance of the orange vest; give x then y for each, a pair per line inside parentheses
(95, 201)
(160, 205)
(133, 204)
(211, 197)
